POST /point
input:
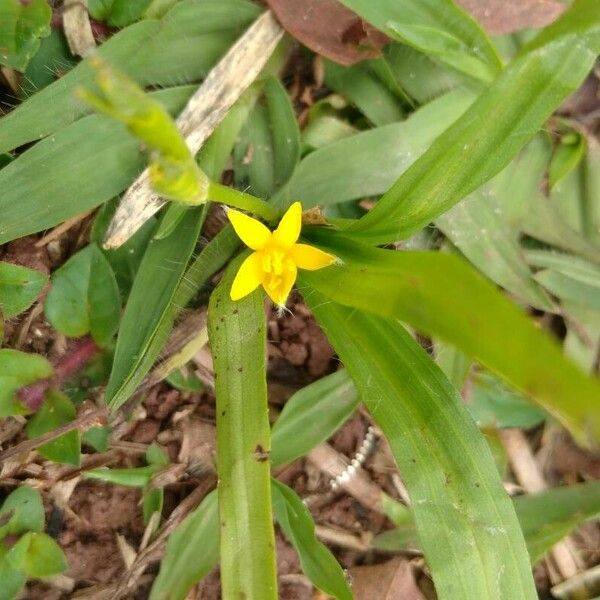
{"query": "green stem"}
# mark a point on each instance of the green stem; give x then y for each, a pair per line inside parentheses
(232, 197)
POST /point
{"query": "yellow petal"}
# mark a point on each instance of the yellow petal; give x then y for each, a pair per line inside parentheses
(310, 258)
(252, 232)
(279, 287)
(248, 277)
(288, 232)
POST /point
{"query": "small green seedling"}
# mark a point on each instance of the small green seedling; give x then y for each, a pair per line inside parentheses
(25, 550)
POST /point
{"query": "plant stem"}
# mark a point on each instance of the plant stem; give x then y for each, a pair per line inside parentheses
(232, 197)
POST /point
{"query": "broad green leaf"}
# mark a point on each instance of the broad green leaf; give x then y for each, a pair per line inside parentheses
(26, 510)
(84, 297)
(549, 516)
(18, 369)
(150, 303)
(513, 108)
(108, 159)
(118, 13)
(37, 555)
(192, 552)
(435, 27)
(318, 564)
(155, 455)
(19, 288)
(311, 416)
(492, 404)
(134, 477)
(441, 295)
(466, 525)
(22, 24)
(365, 90)
(367, 163)
(180, 48)
(237, 333)
(57, 410)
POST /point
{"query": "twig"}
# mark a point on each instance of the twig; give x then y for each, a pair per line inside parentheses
(204, 111)
(528, 474)
(83, 422)
(77, 27)
(61, 229)
(341, 538)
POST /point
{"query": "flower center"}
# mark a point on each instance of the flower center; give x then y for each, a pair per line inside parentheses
(276, 264)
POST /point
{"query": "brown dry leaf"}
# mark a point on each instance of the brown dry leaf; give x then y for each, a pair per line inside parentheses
(393, 580)
(330, 29)
(507, 16)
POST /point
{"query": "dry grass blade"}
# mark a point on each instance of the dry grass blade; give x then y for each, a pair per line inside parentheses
(77, 27)
(205, 110)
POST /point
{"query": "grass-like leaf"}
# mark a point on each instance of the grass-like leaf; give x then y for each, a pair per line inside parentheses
(467, 527)
(441, 295)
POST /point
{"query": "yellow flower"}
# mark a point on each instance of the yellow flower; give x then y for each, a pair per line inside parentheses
(276, 257)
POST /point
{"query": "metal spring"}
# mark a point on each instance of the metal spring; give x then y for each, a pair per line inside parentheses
(365, 449)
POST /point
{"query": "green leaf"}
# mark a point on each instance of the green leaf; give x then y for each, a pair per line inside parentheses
(237, 335)
(97, 438)
(318, 564)
(52, 60)
(284, 130)
(151, 310)
(549, 516)
(514, 108)
(134, 477)
(567, 155)
(442, 296)
(84, 297)
(180, 48)
(118, 13)
(185, 383)
(568, 277)
(13, 581)
(21, 26)
(37, 555)
(192, 552)
(466, 524)
(480, 226)
(367, 163)
(311, 416)
(19, 288)
(155, 455)
(57, 410)
(152, 501)
(436, 27)
(18, 369)
(24, 504)
(364, 89)
(492, 404)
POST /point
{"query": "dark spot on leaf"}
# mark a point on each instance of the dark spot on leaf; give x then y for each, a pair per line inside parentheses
(223, 413)
(240, 369)
(260, 454)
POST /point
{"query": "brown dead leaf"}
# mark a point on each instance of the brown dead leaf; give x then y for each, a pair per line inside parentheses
(393, 580)
(507, 16)
(330, 29)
